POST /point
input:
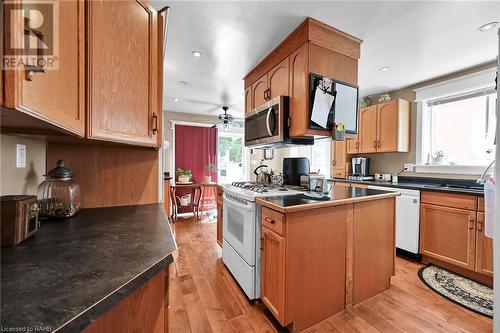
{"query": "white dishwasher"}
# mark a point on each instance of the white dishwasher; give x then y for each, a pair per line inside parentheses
(407, 217)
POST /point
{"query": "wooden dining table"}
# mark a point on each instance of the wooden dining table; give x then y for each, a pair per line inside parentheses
(197, 191)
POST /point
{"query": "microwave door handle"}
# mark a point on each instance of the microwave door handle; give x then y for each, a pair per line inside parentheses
(267, 121)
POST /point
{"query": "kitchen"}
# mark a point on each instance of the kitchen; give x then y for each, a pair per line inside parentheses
(366, 202)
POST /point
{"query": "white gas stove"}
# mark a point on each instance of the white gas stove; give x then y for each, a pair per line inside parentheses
(241, 223)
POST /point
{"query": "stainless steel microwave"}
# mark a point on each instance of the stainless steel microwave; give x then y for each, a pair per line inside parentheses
(267, 126)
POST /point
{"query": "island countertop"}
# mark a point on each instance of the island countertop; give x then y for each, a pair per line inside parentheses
(339, 195)
(74, 270)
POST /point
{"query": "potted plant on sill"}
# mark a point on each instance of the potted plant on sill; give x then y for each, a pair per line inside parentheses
(183, 176)
(211, 167)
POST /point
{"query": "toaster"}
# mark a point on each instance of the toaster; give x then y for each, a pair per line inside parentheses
(383, 177)
(314, 182)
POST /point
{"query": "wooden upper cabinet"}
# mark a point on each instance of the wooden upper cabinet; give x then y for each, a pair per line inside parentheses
(313, 47)
(299, 90)
(393, 126)
(259, 91)
(367, 135)
(273, 274)
(448, 234)
(352, 146)
(278, 81)
(384, 128)
(387, 127)
(248, 99)
(484, 249)
(54, 100)
(122, 72)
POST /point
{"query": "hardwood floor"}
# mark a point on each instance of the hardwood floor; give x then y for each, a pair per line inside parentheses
(204, 297)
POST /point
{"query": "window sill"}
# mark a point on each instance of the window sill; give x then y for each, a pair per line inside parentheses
(451, 169)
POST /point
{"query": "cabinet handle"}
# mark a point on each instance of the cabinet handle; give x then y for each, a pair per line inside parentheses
(378, 144)
(155, 122)
(262, 244)
(333, 163)
(479, 225)
(265, 95)
(357, 144)
(29, 70)
(269, 220)
(375, 144)
(471, 223)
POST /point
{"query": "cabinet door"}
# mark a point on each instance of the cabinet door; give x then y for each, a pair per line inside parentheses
(448, 234)
(484, 249)
(367, 129)
(122, 72)
(387, 126)
(248, 99)
(259, 88)
(339, 156)
(352, 146)
(278, 80)
(57, 96)
(272, 278)
(299, 91)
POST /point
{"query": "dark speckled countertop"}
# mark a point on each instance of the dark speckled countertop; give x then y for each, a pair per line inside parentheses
(337, 195)
(74, 270)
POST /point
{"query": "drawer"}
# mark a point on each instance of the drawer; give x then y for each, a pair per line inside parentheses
(455, 200)
(273, 220)
(343, 184)
(338, 173)
(480, 204)
(359, 185)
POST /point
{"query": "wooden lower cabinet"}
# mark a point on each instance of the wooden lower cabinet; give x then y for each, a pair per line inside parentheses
(484, 249)
(144, 311)
(339, 159)
(323, 259)
(273, 274)
(448, 234)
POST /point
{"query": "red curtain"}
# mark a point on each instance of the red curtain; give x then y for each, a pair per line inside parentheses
(195, 148)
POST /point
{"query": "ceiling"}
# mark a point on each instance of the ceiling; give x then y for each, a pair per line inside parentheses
(417, 40)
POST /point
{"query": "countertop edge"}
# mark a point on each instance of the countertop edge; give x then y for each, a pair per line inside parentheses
(324, 204)
(98, 309)
(403, 186)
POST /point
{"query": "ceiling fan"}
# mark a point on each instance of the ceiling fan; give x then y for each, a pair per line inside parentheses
(226, 121)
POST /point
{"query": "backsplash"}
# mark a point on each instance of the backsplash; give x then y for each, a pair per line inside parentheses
(21, 180)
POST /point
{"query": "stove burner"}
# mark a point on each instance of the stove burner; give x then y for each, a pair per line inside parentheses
(259, 187)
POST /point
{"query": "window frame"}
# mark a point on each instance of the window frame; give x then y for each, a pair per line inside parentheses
(480, 80)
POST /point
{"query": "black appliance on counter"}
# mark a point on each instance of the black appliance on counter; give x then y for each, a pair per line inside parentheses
(293, 168)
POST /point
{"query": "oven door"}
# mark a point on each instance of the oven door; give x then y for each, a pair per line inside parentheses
(264, 124)
(240, 226)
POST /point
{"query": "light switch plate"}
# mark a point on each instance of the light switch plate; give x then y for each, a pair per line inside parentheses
(409, 166)
(20, 156)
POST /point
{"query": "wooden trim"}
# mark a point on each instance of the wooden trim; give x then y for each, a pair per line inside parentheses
(487, 280)
(309, 30)
(349, 262)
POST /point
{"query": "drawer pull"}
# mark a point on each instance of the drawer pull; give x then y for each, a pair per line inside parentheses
(269, 220)
(155, 120)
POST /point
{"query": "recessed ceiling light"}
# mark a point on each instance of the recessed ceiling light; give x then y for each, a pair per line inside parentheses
(383, 69)
(196, 54)
(487, 26)
(175, 99)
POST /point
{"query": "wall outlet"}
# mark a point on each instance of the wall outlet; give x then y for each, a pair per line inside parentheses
(409, 166)
(20, 156)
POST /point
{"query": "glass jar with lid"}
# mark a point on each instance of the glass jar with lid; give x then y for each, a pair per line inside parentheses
(59, 193)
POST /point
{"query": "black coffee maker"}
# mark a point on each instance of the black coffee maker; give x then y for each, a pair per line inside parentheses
(293, 168)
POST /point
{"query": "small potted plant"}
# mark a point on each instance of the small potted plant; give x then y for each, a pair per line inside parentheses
(183, 176)
(211, 167)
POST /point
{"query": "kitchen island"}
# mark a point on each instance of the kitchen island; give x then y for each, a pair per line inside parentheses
(320, 257)
(104, 270)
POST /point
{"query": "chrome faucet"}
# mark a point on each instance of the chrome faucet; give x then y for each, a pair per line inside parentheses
(481, 179)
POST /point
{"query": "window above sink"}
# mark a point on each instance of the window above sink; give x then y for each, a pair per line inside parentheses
(456, 125)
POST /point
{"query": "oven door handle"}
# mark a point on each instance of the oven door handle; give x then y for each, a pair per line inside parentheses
(235, 203)
(267, 121)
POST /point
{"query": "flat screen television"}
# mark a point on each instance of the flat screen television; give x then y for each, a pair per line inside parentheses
(345, 106)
